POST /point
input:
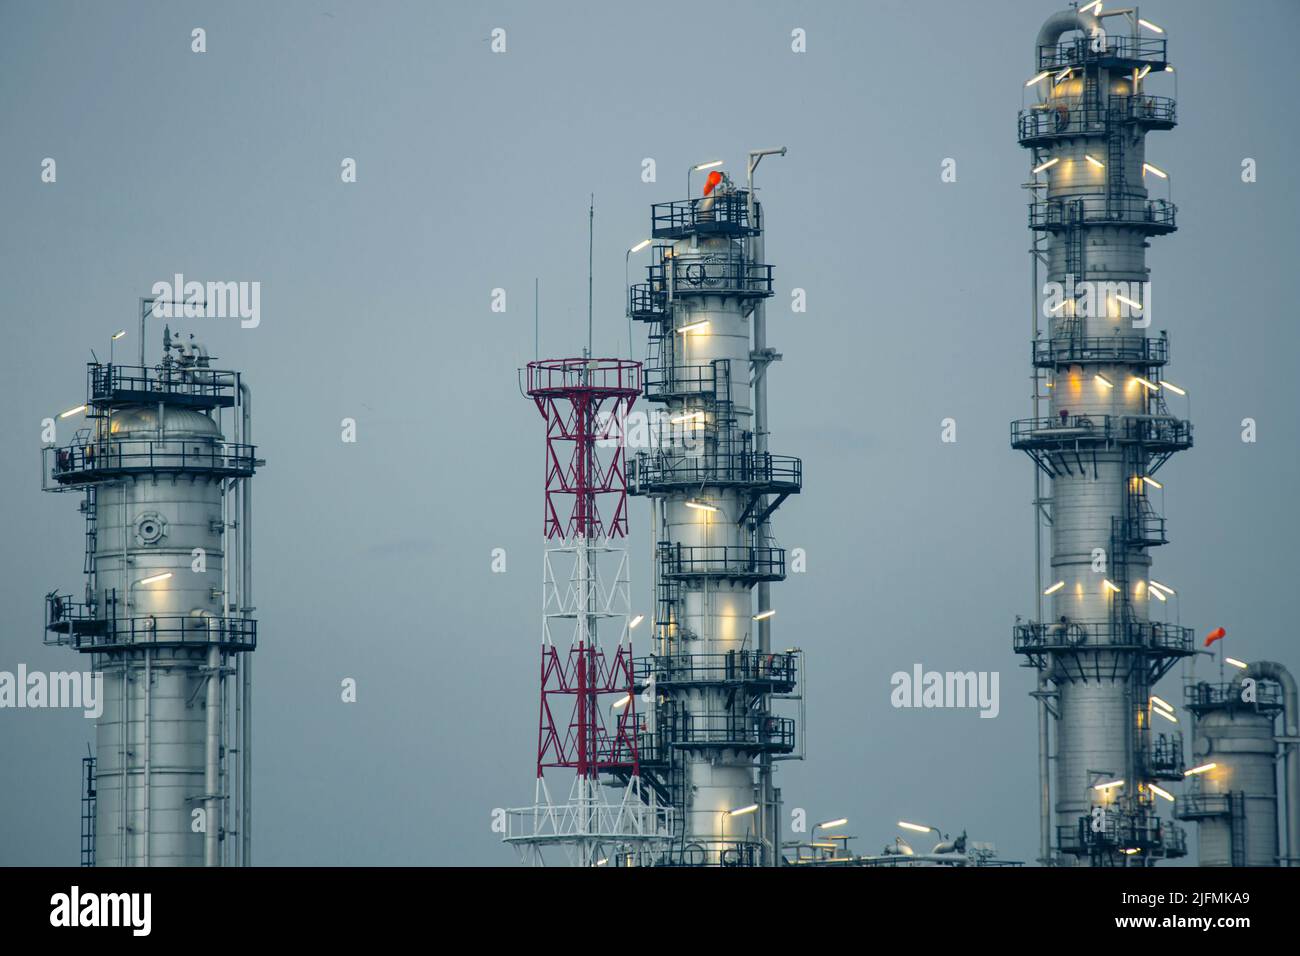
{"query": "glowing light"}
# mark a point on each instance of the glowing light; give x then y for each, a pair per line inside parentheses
(1161, 702)
(1152, 482)
(1144, 71)
(833, 823)
(688, 417)
(1236, 663)
(73, 411)
(1095, 3)
(1145, 383)
(1172, 387)
(1160, 792)
(117, 335)
(1108, 785)
(770, 612)
(1064, 74)
(1110, 585)
(1203, 768)
(154, 578)
(1165, 714)
(1148, 168)
(1060, 305)
(708, 165)
(620, 704)
(1158, 595)
(1047, 165)
(1054, 588)
(743, 810)
(1039, 78)
(700, 506)
(1162, 587)
(1104, 380)
(1149, 25)
(1094, 160)
(1130, 851)
(919, 828)
(1129, 302)
(635, 621)
(694, 327)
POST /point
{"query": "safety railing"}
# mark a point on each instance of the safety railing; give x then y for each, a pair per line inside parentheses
(1104, 49)
(1153, 215)
(722, 561)
(646, 302)
(759, 470)
(1267, 695)
(565, 376)
(675, 381)
(85, 634)
(724, 214)
(138, 384)
(1159, 433)
(1083, 350)
(1199, 806)
(1166, 758)
(706, 273)
(1046, 121)
(96, 460)
(1119, 830)
(743, 667)
(727, 729)
(1155, 637)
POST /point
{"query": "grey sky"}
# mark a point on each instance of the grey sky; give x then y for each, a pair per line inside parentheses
(474, 171)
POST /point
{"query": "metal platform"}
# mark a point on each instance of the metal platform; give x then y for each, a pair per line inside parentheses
(1100, 350)
(1044, 123)
(1152, 216)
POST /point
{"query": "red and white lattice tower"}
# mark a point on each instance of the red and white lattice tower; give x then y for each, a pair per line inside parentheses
(588, 719)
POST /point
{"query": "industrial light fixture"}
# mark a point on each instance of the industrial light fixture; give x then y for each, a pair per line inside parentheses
(694, 327)
(764, 615)
(635, 621)
(73, 411)
(1108, 785)
(1041, 76)
(919, 828)
(1104, 380)
(1172, 387)
(1152, 482)
(1160, 792)
(1148, 168)
(1161, 702)
(117, 335)
(832, 823)
(1130, 851)
(1203, 768)
(1157, 594)
(602, 861)
(683, 419)
(1054, 588)
(743, 810)
(1149, 25)
(1062, 75)
(1095, 3)
(1168, 68)
(1047, 165)
(1110, 585)
(1165, 714)
(1144, 71)
(154, 578)
(1094, 160)
(700, 506)
(1060, 305)
(620, 704)
(1163, 587)
(708, 165)
(640, 245)
(1146, 383)
(1236, 663)
(1129, 302)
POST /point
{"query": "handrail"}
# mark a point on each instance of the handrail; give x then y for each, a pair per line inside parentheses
(1049, 214)
(737, 666)
(752, 468)
(1073, 118)
(1155, 636)
(95, 457)
(719, 214)
(1080, 50)
(716, 560)
(106, 380)
(712, 274)
(1101, 348)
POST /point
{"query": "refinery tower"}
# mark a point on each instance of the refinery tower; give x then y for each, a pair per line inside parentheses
(1101, 639)
(713, 680)
(163, 463)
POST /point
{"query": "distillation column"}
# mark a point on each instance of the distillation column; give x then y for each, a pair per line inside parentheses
(1108, 431)
(164, 616)
(711, 493)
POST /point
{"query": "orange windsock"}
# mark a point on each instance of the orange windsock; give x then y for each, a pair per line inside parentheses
(1215, 635)
(711, 183)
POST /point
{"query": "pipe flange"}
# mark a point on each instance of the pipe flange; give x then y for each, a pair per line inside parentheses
(150, 528)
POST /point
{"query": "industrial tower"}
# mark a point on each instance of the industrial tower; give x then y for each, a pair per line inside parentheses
(166, 612)
(711, 735)
(1099, 646)
(588, 719)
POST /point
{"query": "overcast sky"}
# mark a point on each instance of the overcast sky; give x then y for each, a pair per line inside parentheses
(474, 170)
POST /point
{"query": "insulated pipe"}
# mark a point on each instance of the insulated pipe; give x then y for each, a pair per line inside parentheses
(1270, 670)
(211, 848)
(1058, 24)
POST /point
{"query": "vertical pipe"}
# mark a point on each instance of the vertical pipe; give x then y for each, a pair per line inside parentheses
(246, 596)
(148, 769)
(1044, 714)
(211, 756)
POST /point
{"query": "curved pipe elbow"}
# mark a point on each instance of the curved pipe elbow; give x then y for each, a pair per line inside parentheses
(1059, 24)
